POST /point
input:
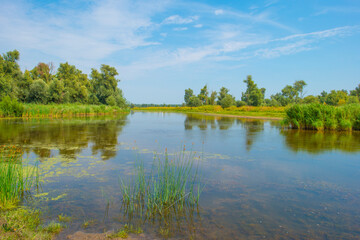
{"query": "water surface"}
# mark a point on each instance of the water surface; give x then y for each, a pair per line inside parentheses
(261, 181)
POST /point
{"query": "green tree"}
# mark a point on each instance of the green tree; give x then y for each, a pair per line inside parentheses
(299, 88)
(203, 96)
(38, 92)
(338, 97)
(104, 84)
(188, 94)
(56, 91)
(10, 74)
(194, 101)
(253, 96)
(222, 94)
(42, 71)
(212, 99)
(227, 101)
(310, 99)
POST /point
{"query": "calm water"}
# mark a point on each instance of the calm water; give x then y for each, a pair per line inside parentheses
(262, 182)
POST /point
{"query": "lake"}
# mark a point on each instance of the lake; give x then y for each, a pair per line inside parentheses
(260, 181)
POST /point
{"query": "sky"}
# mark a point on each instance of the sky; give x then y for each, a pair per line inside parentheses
(160, 48)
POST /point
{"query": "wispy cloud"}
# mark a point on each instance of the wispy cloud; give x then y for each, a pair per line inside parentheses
(176, 19)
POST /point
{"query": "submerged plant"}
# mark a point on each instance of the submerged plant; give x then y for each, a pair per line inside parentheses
(167, 190)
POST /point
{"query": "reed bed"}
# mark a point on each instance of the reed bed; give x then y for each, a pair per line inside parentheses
(170, 186)
(29, 110)
(239, 111)
(323, 117)
(16, 178)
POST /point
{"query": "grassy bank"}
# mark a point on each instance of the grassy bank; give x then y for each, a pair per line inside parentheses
(14, 109)
(271, 112)
(16, 182)
(323, 117)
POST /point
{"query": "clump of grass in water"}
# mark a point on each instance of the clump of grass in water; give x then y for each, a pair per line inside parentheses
(16, 179)
(171, 186)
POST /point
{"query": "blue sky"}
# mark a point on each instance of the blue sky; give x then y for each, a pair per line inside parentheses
(160, 48)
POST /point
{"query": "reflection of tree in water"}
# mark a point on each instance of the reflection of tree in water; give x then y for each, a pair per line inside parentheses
(318, 142)
(69, 136)
(252, 128)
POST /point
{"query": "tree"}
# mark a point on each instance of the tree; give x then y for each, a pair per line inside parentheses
(212, 99)
(203, 96)
(104, 84)
(188, 94)
(38, 92)
(10, 74)
(56, 91)
(227, 101)
(42, 71)
(222, 94)
(299, 88)
(194, 101)
(253, 96)
(310, 99)
(356, 92)
(337, 97)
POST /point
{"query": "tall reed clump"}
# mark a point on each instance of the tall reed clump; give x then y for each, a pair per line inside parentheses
(11, 108)
(323, 117)
(171, 185)
(16, 178)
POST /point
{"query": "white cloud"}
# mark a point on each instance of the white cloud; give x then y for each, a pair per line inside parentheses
(219, 12)
(176, 19)
(180, 29)
(198, 26)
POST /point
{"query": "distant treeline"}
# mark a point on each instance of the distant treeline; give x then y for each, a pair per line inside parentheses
(255, 96)
(67, 84)
(145, 105)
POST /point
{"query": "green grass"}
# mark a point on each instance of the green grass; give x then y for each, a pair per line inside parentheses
(26, 223)
(246, 111)
(124, 232)
(170, 186)
(16, 178)
(323, 117)
(30, 110)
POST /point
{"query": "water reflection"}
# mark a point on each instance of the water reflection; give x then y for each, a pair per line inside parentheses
(319, 142)
(296, 140)
(69, 136)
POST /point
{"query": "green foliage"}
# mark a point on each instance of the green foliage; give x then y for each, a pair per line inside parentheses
(194, 102)
(240, 103)
(222, 94)
(188, 94)
(310, 99)
(203, 96)
(124, 232)
(253, 96)
(336, 98)
(38, 92)
(323, 117)
(11, 107)
(56, 89)
(227, 101)
(212, 99)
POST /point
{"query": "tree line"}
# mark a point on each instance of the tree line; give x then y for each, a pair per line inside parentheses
(67, 84)
(255, 96)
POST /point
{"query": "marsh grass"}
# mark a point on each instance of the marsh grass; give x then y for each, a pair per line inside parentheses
(323, 117)
(16, 178)
(167, 191)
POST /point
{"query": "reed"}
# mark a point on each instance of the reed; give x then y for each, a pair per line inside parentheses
(16, 178)
(171, 185)
(323, 117)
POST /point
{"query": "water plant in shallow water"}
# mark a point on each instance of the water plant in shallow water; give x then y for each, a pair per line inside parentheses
(16, 178)
(172, 186)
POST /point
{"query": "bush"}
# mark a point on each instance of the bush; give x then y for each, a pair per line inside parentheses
(240, 103)
(11, 108)
(227, 101)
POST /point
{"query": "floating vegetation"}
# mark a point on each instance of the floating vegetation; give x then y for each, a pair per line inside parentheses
(16, 178)
(323, 117)
(170, 190)
(125, 231)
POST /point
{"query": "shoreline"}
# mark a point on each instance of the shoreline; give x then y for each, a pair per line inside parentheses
(219, 115)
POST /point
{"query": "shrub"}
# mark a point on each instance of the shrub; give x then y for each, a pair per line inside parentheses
(11, 107)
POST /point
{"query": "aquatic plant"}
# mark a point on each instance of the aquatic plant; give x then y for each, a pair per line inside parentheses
(16, 178)
(323, 117)
(172, 184)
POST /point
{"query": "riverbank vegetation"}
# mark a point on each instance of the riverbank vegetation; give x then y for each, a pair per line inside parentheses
(255, 96)
(67, 85)
(246, 111)
(323, 117)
